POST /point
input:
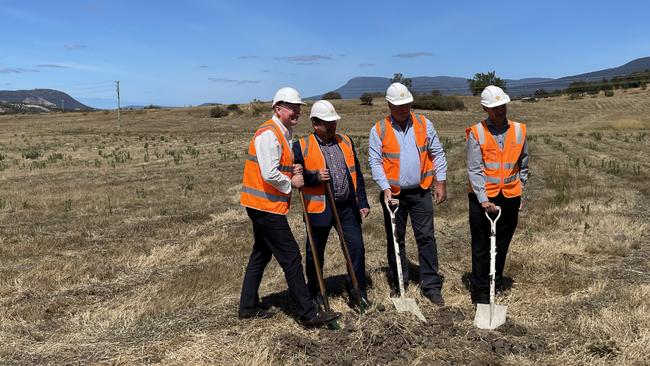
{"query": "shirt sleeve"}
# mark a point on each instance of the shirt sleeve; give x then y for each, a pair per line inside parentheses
(523, 164)
(375, 160)
(269, 152)
(475, 168)
(436, 152)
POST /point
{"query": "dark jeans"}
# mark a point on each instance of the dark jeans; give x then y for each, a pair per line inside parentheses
(353, 237)
(480, 230)
(418, 204)
(273, 237)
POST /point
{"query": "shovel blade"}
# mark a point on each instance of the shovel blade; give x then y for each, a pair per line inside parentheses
(489, 316)
(404, 304)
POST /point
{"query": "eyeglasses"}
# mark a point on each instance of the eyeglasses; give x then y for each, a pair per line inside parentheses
(292, 107)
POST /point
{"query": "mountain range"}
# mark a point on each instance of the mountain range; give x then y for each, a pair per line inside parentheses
(45, 100)
(448, 85)
(40, 99)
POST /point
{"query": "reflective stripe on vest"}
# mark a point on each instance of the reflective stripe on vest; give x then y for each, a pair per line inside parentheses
(500, 165)
(257, 193)
(315, 161)
(282, 168)
(391, 152)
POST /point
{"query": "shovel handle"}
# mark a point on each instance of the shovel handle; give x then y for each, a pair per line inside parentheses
(344, 246)
(493, 223)
(392, 210)
(314, 252)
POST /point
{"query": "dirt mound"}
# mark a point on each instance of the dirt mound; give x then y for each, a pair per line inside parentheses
(381, 339)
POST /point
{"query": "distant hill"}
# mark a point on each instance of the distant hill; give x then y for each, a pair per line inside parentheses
(448, 85)
(44, 99)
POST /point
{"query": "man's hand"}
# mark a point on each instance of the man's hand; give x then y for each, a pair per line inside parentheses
(297, 181)
(441, 191)
(364, 212)
(388, 197)
(297, 169)
(323, 175)
(489, 207)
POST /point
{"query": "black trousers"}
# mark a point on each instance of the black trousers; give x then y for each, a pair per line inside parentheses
(353, 237)
(273, 237)
(418, 204)
(480, 230)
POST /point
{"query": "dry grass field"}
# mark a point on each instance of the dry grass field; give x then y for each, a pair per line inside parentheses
(129, 246)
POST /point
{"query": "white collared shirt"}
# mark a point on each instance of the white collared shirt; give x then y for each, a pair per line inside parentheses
(269, 151)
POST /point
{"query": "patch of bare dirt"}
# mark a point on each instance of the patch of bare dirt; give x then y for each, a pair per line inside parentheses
(382, 341)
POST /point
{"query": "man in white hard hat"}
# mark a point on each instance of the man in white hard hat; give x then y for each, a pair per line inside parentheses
(330, 158)
(269, 175)
(497, 167)
(405, 155)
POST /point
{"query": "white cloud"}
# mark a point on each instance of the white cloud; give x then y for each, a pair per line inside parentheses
(303, 58)
(74, 47)
(413, 54)
(14, 70)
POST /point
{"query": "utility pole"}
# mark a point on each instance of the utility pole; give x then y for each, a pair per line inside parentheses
(119, 121)
(62, 105)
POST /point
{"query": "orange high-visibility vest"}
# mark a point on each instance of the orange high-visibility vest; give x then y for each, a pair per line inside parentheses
(390, 152)
(255, 192)
(315, 161)
(501, 167)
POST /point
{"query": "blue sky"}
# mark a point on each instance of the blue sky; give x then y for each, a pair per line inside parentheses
(195, 51)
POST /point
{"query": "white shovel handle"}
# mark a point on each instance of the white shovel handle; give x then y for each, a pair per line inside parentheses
(493, 253)
(493, 223)
(398, 261)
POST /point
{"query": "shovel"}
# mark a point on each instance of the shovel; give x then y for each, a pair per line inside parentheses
(490, 316)
(319, 274)
(402, 303)
(344, 247)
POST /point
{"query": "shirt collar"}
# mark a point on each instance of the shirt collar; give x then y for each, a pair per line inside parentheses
(406, 126)
(285, 131)
(490, 123)
(320, 141)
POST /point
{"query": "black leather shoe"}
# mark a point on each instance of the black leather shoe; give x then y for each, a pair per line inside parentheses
(321, 318)
(257, 313)
(436, 298)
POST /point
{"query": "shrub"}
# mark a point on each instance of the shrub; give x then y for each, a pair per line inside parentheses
(257, 107)
(366, 99)
(609, 93)
(218, 111)
(234, 108)
(331, 95)
(541, 93)
(32, 154)
(438, 103)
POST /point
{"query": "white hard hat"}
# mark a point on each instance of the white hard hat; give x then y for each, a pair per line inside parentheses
(288, 95)
(493, 96)
(398, 94)
(324, 110)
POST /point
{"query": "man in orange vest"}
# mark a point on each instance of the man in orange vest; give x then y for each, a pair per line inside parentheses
(405, 154)
(497, 166)
(269, 175)
(330, 158)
